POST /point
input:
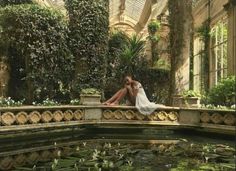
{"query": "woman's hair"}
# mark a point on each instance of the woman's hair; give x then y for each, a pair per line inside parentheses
(125, 76)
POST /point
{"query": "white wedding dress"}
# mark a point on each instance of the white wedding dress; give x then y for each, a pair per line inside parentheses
(142, 103)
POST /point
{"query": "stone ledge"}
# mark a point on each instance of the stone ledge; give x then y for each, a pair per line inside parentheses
(77, 107)
(44, 117)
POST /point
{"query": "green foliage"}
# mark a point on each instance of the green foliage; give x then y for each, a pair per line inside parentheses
(203, 32)
(47, 102)
(153, 26)
(191, 93)
(118, 40)
(155, 82)
(4, 45)
(5, 102)
(90, 91)
(75, 102)
(210, 106)
(4, 3)
(88, 24)
(40, 59)
(132, 53)
(182, 156)
(223, 93)
(126, 56)
(153, 37)
(162, 64)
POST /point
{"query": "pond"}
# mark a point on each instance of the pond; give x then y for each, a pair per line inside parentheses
(114, 150)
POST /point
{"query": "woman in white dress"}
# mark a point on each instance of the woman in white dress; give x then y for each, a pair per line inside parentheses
(135, 95)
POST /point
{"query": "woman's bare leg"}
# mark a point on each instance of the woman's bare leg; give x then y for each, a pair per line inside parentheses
(121, 95)
(131, 99)
(114, 97)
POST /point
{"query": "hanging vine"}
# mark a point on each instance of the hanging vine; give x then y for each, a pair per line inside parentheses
(203, 33)
(153, 27)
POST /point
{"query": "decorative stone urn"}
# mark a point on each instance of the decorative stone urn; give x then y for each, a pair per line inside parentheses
(189, 102)
(90, 99)
(90, 96)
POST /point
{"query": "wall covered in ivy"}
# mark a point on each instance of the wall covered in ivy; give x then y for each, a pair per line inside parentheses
(88, 24)
(41, 62)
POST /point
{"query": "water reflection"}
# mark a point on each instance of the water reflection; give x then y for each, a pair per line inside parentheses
(76, 151)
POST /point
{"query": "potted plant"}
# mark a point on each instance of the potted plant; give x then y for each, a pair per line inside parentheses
(90, 96)
(188, 98)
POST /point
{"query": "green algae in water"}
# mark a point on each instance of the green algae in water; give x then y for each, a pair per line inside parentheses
(99, 156)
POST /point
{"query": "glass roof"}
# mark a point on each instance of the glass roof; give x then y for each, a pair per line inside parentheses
(130, 8)
(130, 12)
(134, 8)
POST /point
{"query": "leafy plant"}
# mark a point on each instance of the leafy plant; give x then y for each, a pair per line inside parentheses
(190, 93)
(47, 102)
(211, 106)
(132, 53)
(153, 26)
(75, 102)
(153, 37)
(223, 93)
(5, 102)
(90, 91)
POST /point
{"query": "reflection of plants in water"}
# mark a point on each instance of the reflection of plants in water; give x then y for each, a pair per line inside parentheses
(134, 157)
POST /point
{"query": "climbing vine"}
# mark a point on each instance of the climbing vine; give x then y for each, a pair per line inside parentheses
(88, 24)
(41, 62)
(153, 27)
(176, 42)
(203, 32)
(180, 23)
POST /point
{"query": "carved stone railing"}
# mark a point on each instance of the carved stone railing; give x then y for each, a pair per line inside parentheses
(34, 115)
(79, 115)
(129, 114)
(218, 117)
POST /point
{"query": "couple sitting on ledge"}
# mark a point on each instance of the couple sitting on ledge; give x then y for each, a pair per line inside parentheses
(136, 96)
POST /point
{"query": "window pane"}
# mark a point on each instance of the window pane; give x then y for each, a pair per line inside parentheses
(218, 61)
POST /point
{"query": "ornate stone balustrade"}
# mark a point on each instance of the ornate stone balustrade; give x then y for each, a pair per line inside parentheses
(118, 114)
(221, 118)
(31, 115)
(18, 117)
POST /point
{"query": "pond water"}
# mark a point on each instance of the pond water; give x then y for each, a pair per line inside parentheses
(149, 150)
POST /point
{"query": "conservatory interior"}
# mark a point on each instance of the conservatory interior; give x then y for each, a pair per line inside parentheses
(117, 85)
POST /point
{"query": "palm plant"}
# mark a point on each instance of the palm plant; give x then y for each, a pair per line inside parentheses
(132, 52)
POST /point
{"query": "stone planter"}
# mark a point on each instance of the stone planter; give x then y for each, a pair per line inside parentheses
(190, 102)
(90, 99)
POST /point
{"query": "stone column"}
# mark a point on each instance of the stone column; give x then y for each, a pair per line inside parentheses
(180, 20)
(231, 10)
